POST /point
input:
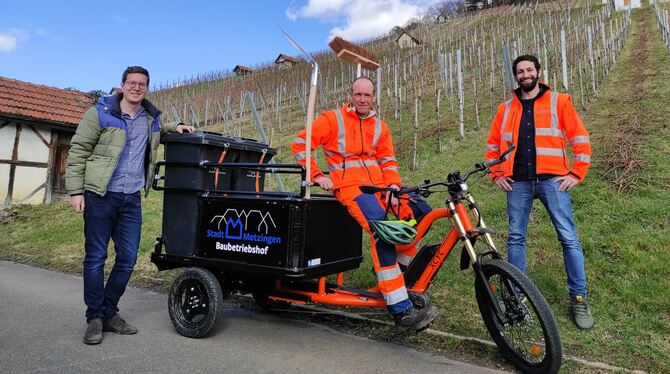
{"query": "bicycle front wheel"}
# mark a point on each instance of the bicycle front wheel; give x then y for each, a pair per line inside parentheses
(520, 322)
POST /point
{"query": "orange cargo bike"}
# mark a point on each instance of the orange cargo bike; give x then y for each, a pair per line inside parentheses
(276, 247)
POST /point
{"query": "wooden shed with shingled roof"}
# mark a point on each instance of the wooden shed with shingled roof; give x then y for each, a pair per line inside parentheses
(405, 40)
(36, 125)
(242, 70)
(285, 60)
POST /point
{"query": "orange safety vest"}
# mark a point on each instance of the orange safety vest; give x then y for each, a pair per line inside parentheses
(555, 121)
(359, 151)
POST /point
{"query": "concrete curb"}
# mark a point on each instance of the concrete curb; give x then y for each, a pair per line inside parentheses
(566, 357)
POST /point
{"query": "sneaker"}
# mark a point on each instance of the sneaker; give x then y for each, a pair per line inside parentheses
(118, 325)
(93, 334)
(415, 319)
(582, 313)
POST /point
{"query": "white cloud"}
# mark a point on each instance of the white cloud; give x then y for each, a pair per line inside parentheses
(7, 42)
(46, 34)
(9, 39)
(291, 15)
(324, 9)
(361, 19)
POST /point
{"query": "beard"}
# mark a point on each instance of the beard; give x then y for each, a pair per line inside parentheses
(528, 86)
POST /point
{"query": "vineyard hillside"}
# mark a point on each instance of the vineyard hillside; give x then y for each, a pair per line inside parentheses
(439, 99)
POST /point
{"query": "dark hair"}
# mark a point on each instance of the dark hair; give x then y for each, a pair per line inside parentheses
(530, 58)
(134, 69)
(374, 89)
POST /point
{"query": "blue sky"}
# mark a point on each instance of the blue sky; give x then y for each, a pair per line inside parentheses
(87, 44)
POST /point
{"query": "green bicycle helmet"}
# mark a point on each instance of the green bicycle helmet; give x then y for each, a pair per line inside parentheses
(398, 232)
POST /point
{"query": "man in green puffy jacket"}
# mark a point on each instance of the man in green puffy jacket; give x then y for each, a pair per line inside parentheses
(111, 159)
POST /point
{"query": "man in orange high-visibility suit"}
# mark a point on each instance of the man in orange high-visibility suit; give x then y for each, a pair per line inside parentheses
(359, 151)
(539, 121)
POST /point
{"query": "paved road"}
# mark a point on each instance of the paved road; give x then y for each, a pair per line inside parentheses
(41, 326)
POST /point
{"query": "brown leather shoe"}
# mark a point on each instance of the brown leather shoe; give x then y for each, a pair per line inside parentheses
(118, 325)
(93, 334)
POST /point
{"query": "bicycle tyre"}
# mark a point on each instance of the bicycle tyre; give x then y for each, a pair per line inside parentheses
(195, 302)
(527, 355)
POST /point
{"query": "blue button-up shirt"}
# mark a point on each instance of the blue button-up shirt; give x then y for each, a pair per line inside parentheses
(129, 175)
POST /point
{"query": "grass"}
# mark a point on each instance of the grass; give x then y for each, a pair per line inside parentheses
(626, 236)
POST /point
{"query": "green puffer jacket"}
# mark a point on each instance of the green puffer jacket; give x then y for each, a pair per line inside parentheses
(96, 147)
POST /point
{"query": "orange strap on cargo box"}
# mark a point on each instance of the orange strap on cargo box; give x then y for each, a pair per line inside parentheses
(216, 170)
(258, 173)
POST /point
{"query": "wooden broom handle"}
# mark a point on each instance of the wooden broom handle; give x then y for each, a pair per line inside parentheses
(308, 138)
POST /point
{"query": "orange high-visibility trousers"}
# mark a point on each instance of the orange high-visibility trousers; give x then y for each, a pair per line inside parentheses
(385, 258)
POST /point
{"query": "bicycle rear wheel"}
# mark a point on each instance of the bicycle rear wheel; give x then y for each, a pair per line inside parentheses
(522, 325)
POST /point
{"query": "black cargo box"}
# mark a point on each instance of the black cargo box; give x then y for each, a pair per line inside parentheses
(184, 180)
(279, 237)
(209, 222)
(213, 147)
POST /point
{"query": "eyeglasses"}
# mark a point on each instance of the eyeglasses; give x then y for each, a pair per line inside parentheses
(133, 84)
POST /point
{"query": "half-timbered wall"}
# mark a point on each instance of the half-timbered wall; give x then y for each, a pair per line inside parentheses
(26, 155)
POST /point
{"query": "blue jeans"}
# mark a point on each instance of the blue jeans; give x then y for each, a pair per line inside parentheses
(557, 203)
(117, 216)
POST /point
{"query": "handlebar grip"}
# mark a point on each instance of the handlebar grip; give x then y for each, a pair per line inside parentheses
(503, 157)
(370, 189)
(490, 163)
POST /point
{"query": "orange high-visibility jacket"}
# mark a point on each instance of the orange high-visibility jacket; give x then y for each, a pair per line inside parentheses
(555, 121)
(358, 151)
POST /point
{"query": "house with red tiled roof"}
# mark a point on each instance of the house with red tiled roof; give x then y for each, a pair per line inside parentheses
(285, 60)
(242, 70)
(36, 125)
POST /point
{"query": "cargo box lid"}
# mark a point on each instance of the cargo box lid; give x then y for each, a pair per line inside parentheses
(216, 140)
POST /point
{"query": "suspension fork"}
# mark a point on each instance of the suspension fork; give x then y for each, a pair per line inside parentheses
(500, 315)
(464, 226)
(478, 218)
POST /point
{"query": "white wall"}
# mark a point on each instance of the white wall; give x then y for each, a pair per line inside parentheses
(31, 147)
(7, 135)
(26, 179)
(4, 182)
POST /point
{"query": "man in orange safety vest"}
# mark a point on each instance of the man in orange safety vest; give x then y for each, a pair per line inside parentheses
(359, 151)
(539, 121)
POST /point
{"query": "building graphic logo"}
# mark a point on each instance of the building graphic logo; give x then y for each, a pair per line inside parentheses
(233, 228)
(246, 231)
(234, 217)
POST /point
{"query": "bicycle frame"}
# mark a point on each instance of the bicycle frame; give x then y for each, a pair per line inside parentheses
(463, 229)
(419, 275)
(429, 259)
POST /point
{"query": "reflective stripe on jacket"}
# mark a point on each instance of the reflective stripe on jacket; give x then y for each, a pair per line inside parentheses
(359, 151)
(555, 121)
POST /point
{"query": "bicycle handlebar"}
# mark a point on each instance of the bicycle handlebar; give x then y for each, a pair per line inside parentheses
(453, 179)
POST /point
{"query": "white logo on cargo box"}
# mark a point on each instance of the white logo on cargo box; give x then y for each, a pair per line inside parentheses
(227, 218)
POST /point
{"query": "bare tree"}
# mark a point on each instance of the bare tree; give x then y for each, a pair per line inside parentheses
(445, 10)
